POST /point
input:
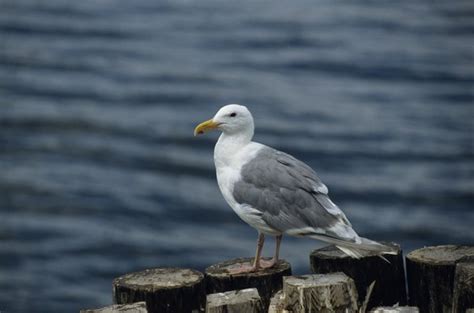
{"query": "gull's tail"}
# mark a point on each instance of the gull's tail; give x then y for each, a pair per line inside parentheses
(354, 249)
(357, 249)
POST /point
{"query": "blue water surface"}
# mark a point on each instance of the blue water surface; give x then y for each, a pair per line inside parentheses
(100, 174)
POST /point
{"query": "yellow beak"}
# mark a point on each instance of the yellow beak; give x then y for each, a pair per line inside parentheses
(205, 126)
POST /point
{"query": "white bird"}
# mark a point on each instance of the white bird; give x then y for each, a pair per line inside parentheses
(274, 192)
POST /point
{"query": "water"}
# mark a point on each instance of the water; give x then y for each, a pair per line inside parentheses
(100, 173)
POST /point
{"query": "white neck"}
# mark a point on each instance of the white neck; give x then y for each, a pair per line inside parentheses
(229, 145)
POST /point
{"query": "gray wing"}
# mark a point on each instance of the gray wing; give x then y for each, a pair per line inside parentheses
(290, 196)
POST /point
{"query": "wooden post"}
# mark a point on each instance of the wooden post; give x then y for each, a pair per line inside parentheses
(389, 278)
(430, 273)
(137, 307)
(169, 290)
(236, 301)
(333, 292)
(398, 309)
(266, 281)
(463, 297)
(276, 303)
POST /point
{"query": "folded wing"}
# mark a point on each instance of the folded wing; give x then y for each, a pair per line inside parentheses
(290, 197)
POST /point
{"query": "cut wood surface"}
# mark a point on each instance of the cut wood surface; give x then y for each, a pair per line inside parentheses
(333, 292)
(236, 301)
(266, 281)
(400, 309)
(431, 272)
(138, 307)
(463, 297)
(165, 290)
(389, 277)
(276, 303)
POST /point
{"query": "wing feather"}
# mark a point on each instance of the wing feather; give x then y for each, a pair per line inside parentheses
(291, 197)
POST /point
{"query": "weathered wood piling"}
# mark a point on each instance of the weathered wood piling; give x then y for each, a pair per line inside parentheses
(276, 303)
(400, 309)
(236, 301)
(328, 293)
(463, 296)
(440, 279)
(333, 292)
(165, 290)
(138, 307)
(431, 273)
(388, 273)
(266, 281)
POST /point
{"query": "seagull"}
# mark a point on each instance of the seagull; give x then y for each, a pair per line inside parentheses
(276, 193)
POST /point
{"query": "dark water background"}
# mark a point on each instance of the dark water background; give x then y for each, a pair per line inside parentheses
(100, 174)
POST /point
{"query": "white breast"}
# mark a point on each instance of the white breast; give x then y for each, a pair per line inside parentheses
(228, 166)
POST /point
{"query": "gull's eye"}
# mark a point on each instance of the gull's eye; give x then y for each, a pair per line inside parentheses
(233, 114)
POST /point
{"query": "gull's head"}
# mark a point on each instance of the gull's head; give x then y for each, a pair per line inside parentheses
(230, 119)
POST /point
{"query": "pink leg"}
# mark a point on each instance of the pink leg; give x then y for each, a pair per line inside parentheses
(274, 260)
(246, 267)
(258, 252)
